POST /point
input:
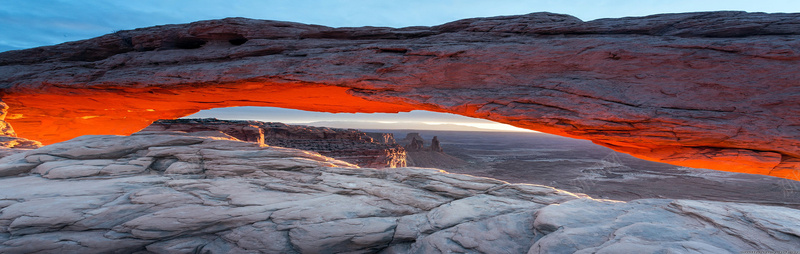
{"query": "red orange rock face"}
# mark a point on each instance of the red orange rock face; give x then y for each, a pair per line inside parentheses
(63, 113)
(712, 90)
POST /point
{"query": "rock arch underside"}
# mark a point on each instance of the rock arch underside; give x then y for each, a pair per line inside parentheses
(714, 90)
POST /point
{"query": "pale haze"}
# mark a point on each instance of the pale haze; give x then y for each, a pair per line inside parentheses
(34, 23)
(414, 120)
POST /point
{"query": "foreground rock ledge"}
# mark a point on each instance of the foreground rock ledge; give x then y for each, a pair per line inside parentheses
(207, 193)
(713, 90)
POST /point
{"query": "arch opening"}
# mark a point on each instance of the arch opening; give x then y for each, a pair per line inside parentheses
(523, 156)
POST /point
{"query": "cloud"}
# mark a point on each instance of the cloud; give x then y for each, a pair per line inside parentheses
(296, 116)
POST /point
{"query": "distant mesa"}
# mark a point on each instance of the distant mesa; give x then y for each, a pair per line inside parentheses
(406, 125)
(365, 149)
(381, 138)
(374, 150)
(431, 156)
(413, 142)
(435, 145)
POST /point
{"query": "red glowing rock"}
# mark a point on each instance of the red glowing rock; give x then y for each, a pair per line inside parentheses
(715, 90)
(9, 142)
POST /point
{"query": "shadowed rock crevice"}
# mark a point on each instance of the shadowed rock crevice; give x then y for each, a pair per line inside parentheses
(711, 90)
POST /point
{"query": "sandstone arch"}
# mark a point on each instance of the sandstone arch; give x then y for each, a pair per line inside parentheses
(715, 90)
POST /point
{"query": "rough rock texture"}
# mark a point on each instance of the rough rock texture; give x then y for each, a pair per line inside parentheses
(207, 193)
(9, 142)
(414, 142)
(656, 225)
(349, 145)
(712, 90)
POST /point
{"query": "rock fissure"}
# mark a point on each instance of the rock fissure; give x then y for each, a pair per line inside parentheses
(555, 89)
(706, 220)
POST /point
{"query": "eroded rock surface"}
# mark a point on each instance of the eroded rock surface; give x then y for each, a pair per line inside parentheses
(9, 142)
(344, 144)
(710, 90)
(207, 193)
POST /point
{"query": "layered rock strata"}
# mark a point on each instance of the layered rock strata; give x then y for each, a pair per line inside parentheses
(712, 90)
(349, 145)
(382, 138)
(205, 192)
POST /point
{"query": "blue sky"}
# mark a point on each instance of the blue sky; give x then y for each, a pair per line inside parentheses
(32, 23)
